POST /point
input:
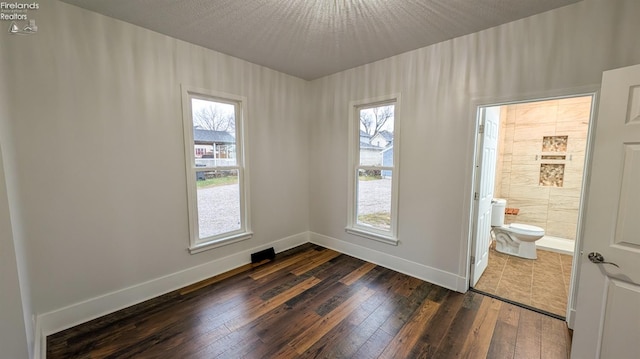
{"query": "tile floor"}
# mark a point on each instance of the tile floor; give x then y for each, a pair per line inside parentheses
(542, 283)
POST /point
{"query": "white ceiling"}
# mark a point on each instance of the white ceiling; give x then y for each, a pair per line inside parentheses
(313, 38)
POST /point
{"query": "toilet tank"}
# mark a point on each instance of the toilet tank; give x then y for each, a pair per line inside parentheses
(497, 212)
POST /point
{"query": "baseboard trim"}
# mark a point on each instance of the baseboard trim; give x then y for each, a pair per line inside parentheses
(417, 270)
(81, 312)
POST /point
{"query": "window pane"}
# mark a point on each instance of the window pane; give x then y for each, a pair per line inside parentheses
(218, 202)
(214, 131)
(376, 135)
(374, 199)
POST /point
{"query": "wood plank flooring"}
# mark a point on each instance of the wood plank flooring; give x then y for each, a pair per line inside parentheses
(312, 302)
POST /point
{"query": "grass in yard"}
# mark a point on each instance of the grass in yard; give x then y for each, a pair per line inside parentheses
(369, 178)
(218, 181)
(380, 220)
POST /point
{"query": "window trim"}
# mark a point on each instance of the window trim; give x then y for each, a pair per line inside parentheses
(197, 245)
(391, 236)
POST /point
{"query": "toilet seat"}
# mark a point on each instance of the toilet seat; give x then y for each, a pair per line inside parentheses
(525, 229)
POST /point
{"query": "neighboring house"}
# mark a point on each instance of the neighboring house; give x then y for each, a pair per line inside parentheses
(364, 137)
(213, 148)
(377, 150)
(382, 138)
(370, 154)
(213, 144)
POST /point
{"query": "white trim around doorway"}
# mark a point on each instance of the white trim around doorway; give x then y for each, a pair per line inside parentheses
(479, 102)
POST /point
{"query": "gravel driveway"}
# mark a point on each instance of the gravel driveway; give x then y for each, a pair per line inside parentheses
(374, 196)
(218, 209)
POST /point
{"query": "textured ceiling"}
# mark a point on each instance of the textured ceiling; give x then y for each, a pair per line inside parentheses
(313, 38)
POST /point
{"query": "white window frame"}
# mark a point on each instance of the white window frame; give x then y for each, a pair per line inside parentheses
(196, 244)
(353, 227)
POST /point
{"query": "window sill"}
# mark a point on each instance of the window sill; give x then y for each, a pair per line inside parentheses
(370, 235)
(205, 246)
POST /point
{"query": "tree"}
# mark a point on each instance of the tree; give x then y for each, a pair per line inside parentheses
(212, 118)
(373, 119)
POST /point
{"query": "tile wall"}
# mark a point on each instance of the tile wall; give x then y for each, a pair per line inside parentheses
(545, 189)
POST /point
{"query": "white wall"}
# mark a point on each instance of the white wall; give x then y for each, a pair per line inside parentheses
(16, 332)
(95, 109)
(17, 327)
(565, 48)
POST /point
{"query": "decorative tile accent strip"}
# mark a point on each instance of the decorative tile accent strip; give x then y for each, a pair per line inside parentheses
(553, 157)
(554, 143)
(551, 175)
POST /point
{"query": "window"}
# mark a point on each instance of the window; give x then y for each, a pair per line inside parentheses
(215, 165)
(373, 169)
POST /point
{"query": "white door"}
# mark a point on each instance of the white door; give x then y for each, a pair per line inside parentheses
(608, 303)
(490, 120)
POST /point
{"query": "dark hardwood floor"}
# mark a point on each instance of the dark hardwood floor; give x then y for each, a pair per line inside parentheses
(312, 302)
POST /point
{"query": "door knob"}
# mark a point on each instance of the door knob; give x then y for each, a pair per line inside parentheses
(597, 258)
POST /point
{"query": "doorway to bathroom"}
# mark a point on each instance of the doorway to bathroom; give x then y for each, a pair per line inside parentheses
(532, 155)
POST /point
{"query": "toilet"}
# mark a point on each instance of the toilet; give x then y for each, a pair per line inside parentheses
(515, 239)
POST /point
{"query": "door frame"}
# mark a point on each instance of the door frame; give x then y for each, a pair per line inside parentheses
(476, 105)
